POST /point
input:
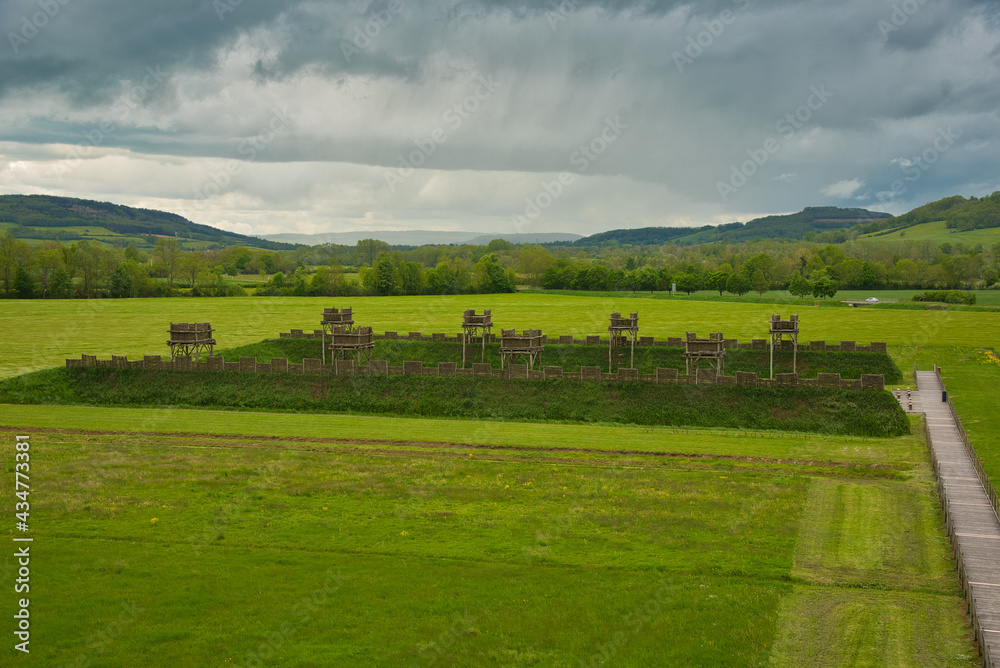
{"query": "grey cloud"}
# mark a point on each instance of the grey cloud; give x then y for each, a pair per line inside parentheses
(370, 105)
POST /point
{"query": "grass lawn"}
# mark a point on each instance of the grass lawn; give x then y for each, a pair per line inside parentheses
(973, 381)
(886, 455)
(299, 539)
(986, 300)
(303, 552)
(983, 297)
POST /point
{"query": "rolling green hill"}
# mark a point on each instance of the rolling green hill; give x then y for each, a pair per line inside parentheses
(956, 213)
(44, 217)
(789, 226)
(939, 232)
(952, 219)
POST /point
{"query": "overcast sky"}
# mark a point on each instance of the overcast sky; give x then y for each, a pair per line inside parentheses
(266, 116)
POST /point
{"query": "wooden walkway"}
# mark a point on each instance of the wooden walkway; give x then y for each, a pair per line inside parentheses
(971, 519)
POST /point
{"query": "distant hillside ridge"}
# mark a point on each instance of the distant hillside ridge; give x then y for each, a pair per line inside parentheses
(391, 237)
(957, 212)
(787, 226)
(34, 216)
(527, 238)
(421, 237)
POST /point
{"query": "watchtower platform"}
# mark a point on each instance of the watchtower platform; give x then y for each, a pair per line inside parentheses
(333, 318)
(474, 325)
(622, 332)
(785, 330)
(356, 344)
(525, 348)
(190, 339)
(712, 349)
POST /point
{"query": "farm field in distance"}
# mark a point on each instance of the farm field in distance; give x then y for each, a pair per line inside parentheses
(407, 541)
(937, 231)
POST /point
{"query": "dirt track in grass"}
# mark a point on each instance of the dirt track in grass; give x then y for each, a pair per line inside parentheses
(275, 442)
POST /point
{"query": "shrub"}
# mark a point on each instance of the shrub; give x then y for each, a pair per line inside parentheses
(946, 296)
(218, 290)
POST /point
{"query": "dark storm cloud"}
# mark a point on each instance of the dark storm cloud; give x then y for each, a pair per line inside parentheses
(702, 85)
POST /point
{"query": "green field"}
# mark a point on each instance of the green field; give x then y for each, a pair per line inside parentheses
(972, 380)
(102, 235)
(96, 233)
(937, 232)
(986, 300)
(299, 539)
(305, 550)
(39, 334)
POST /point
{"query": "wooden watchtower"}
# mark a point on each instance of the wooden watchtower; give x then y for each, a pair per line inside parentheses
(190, 339)
(356, 344)
(476, 325)
(622, 332)
(333, 318)
(525, 347)
(712, 349)
(785, 330)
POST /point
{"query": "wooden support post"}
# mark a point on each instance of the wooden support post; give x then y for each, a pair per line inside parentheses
(622, 329)
(779, 329)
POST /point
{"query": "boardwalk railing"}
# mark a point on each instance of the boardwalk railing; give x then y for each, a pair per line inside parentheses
(984, 478)
(977, 627)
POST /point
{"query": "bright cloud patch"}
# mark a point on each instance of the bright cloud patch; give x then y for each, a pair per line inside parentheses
(843, 189)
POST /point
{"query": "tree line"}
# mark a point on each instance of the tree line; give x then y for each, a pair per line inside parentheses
(88, 269)
(392, 275)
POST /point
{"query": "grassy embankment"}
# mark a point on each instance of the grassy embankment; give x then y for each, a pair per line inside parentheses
(853, 412)
(572, 357)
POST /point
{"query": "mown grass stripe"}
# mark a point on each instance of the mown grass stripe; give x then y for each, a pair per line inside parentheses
(905, 450)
